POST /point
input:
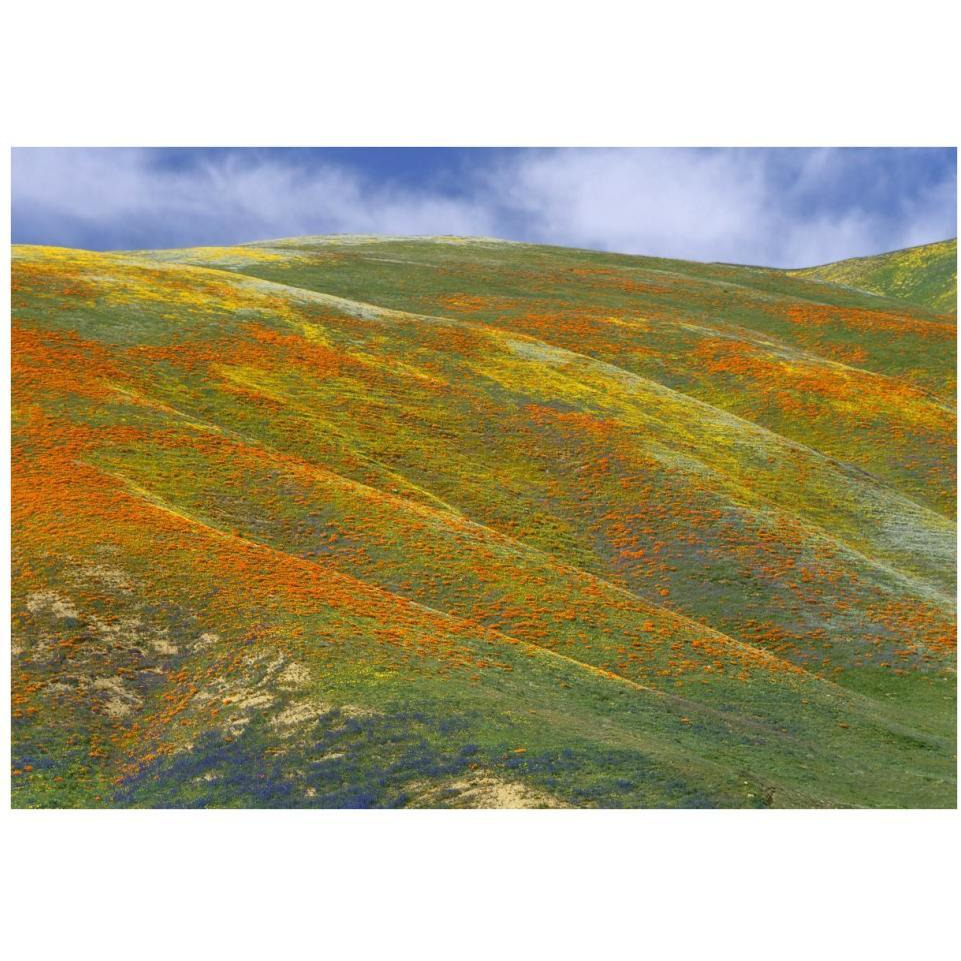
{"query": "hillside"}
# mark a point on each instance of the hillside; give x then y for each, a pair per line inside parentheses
(926, 275)
(450, 522)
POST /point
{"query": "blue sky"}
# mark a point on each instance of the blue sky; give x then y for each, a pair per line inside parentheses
(778, 207)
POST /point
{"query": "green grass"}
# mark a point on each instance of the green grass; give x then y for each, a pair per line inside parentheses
(927, 275)
(361, 522)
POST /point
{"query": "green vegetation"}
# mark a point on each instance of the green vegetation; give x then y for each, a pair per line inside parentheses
(446, 522)
(927, 276)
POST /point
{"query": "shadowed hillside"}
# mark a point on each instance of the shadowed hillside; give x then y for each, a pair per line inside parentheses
(448, 522)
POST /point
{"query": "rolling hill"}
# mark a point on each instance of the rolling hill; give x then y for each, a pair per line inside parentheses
(363, 521)
(926, 275)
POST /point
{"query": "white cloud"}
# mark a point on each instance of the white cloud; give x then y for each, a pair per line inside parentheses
(784, 208)
(674, 204)
(122, 194)
(789, 208)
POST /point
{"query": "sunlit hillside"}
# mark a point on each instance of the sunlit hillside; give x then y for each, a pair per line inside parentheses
(449, 522)
(926, 275)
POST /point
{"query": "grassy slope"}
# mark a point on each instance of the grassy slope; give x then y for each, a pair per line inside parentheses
(429, 522)
(927, 275)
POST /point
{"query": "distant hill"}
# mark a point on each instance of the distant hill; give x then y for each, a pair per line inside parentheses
(925, 275)
(353, 522)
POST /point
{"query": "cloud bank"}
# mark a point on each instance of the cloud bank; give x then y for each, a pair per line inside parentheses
(777, 207)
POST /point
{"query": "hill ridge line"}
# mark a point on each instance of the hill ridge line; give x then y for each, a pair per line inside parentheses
(160, 503)
(645, 262)
(869, 706)
(517, 545)
(366, 310)
(506, 540)
(370, 311)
